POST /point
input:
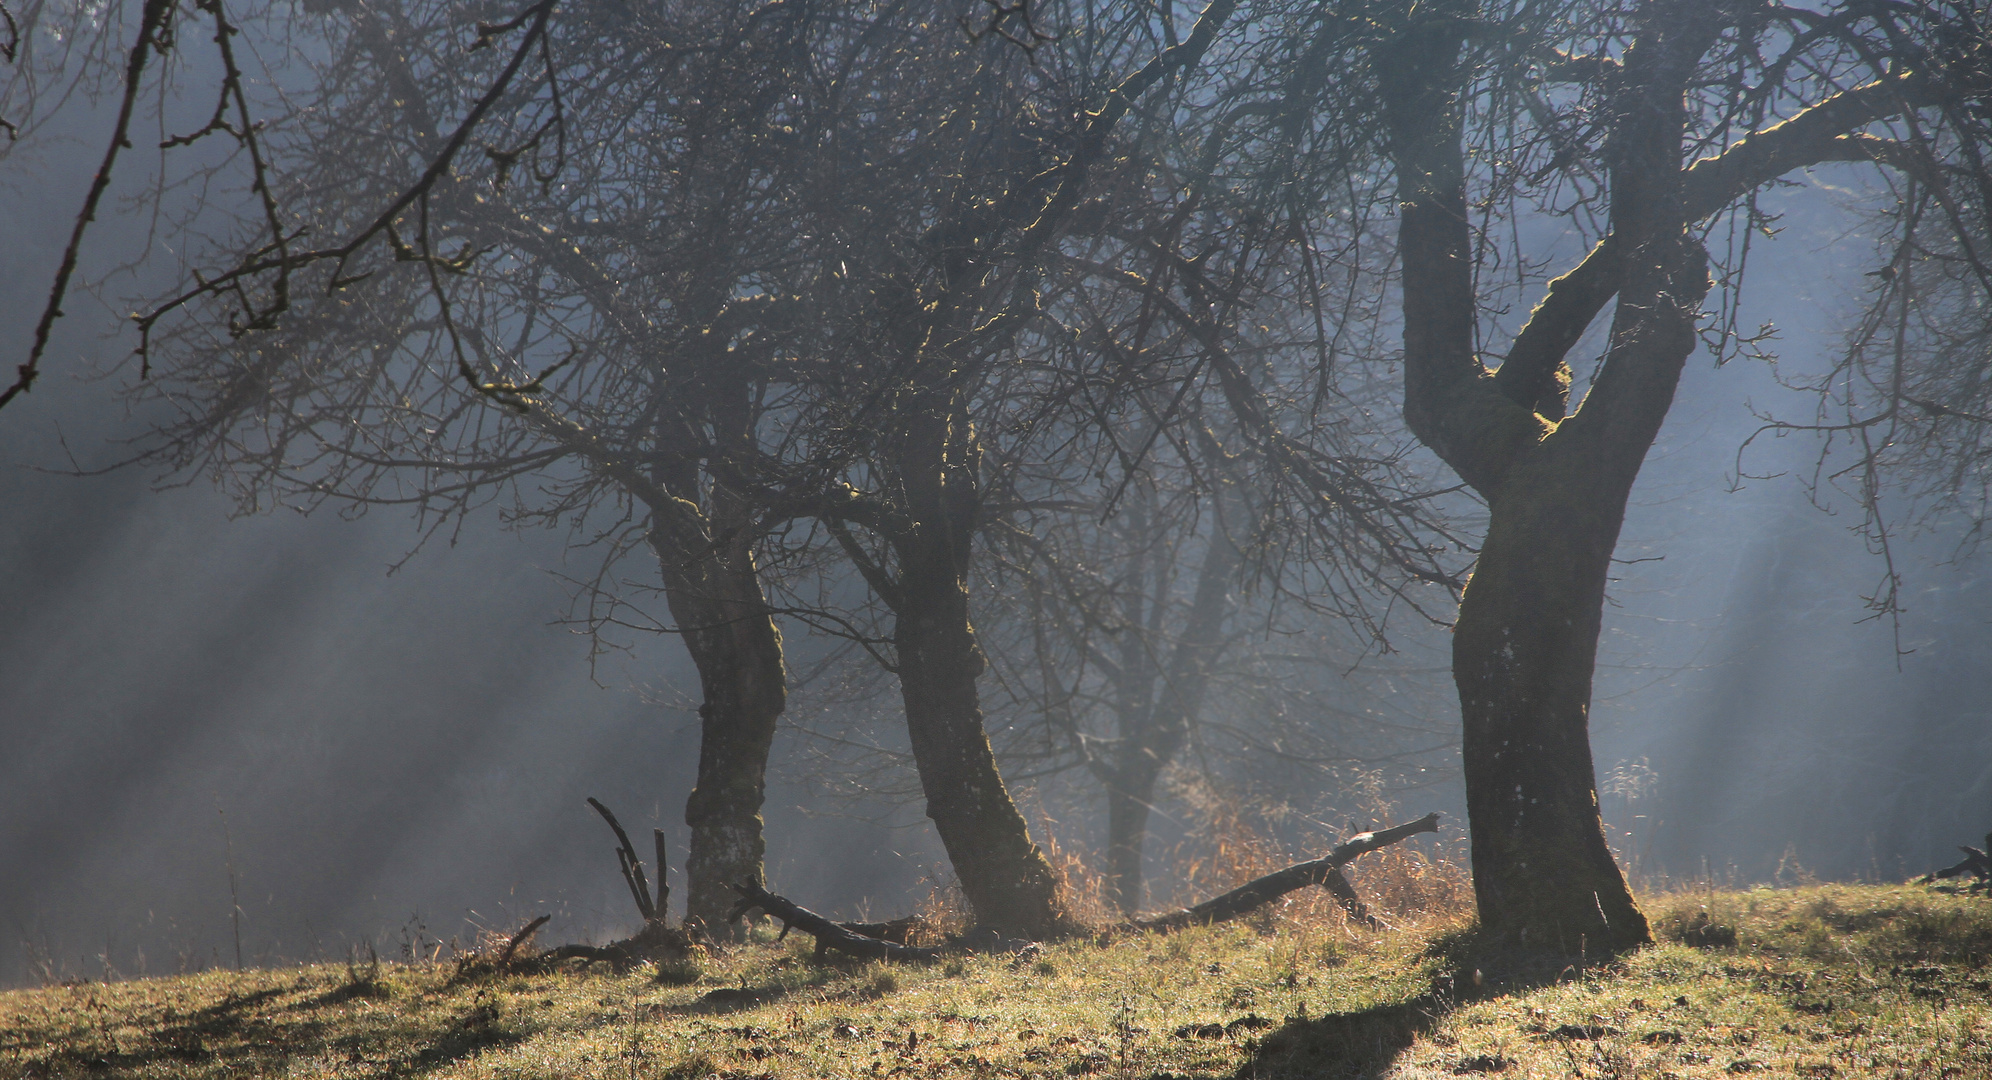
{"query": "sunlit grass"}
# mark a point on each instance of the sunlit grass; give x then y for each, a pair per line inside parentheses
(1822, 981)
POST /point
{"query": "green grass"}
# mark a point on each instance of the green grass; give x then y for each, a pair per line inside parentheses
(1825, 981)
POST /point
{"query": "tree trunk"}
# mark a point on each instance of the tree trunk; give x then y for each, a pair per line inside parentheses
(1523, 654)
(715, 596)
(1004, 876)
(1526, 642)
(1160, 729)
(1129, 799)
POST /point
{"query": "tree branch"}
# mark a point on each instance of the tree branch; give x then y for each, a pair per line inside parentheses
(152, 27)
(1533, 375)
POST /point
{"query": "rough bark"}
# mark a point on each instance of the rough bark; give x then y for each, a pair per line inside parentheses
(733, 641)
(706, 557)
(1523, 652)
(1003, 875)
(1525, 645)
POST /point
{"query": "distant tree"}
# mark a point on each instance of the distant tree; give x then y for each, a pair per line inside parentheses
(1191, 353)
(1123, 611)
(1232, 455)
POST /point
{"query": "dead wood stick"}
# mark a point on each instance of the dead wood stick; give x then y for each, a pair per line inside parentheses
(655, 942)
(1338, 884)
(1254, 894)
(828, 935)
(519, 939)
(632, 867)
(1977, 863)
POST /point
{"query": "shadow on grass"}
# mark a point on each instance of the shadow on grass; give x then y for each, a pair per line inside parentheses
(372, 989)
(1465, 967)
(409, 1054)
(454, 1045)
(227, 1033)
(728, 999)
(1352, 1044)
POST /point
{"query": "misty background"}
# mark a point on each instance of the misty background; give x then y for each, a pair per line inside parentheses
(364, 732)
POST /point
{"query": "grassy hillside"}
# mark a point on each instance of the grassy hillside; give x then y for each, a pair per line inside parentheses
(1816, 982)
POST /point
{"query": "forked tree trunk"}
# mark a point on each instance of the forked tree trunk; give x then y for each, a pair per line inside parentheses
(1526, 641)
(715, 596)
(1004, 876)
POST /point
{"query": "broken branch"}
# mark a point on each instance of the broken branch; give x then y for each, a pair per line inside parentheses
(1977, 862)
(632, 867)
(1323, 872)
(519, 939)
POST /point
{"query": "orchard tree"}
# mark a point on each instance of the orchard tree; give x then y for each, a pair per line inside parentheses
(622, 188)
(1647, 126)
(1494, 134)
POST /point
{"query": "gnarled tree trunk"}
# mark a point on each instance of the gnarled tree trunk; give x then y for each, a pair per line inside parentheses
(1556, 487)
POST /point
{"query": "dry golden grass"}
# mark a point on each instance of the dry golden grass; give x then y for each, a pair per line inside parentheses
(1827, 981)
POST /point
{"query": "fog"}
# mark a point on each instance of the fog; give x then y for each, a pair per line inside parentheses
(358, 732)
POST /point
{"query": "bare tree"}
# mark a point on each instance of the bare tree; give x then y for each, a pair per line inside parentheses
(1904, 413)
(995, 182)
(1114, 610)
(621, 199)
(1644, 126)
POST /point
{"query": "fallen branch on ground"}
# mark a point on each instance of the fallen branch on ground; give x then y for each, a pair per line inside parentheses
(898, 931)
(1325, 872)
(829, 935)
(1976, 862)
(653, 943)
